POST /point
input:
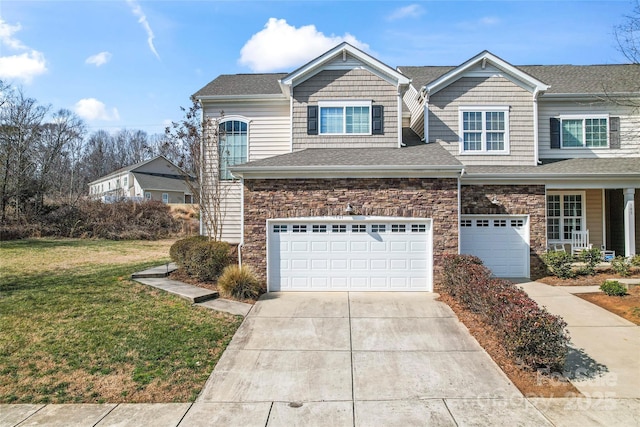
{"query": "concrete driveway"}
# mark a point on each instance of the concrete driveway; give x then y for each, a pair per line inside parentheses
(358, 359)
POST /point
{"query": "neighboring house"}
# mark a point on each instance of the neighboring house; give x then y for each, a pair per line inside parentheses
(352, 175)
(153, 179)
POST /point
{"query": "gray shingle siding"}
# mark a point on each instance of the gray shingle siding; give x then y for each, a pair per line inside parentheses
(354, 84)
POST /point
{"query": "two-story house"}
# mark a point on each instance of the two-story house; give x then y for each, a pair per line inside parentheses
(154, 179)
(348, 174)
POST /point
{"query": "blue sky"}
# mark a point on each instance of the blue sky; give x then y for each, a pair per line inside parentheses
(132, 64)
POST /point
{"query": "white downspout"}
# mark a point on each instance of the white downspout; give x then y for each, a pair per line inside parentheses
(241, 245)
(202, 157)
(535, 127)
(399, 118)
(425, 118)
(462, 172)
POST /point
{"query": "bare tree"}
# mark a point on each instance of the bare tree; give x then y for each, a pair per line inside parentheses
(627, 35)
(57, 136)
(196, 140)
(21, 120)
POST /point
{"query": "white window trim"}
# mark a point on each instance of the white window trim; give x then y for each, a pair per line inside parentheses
(243, 119)
(583, 218)
(343, 104)
(583, 117)
(483, 109)
(165, 196)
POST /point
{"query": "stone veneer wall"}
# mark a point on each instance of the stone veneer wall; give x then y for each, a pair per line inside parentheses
(408, 197)
(513, 200)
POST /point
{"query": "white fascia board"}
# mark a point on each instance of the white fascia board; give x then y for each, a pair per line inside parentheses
(311, 68)
(499, 63)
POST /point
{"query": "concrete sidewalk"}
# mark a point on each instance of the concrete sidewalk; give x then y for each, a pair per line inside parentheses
(604, 360)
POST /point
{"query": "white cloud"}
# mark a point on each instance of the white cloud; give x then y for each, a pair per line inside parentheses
(26, 64)
(142, 19)
(280, 46)
(92, 109)
(411, 11)
(489, 20)
(99, 59)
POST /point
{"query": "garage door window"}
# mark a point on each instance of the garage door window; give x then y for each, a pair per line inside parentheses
(319, 228)
(359, 228)
(418, 228)
(378, 228)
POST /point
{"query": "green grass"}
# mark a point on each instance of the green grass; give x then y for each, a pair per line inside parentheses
(73, 328)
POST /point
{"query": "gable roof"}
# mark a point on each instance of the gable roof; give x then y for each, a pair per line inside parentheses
(316, 65)
(132, 168)
(483, 58)
(562, 79)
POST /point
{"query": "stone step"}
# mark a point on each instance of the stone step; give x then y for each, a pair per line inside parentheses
(156, 272)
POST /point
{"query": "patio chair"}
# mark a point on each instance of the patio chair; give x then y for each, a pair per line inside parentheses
(580, 242)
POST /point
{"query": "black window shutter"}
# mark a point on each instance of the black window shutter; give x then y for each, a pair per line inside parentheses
(377, 120)
(614, 132)
(554, 125)
(312, 120)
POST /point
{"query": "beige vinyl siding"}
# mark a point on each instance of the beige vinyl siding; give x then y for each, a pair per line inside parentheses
(629, 128)
(231, 212)
(269, 125)
(351, 84)
(484, 91)
(594, 216)
(416, 109)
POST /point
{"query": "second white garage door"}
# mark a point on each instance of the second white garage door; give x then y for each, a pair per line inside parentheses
(500, 241)
(355, 253)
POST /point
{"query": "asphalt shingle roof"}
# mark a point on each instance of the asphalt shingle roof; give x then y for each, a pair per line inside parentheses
(242, 84)
(152, 182)
(419, 156)
(580, 167)
(563, 79)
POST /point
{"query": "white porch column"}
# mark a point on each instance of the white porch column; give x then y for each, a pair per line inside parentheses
(629, 222)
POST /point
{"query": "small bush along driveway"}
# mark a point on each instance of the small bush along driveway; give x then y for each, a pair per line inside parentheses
(76, 329)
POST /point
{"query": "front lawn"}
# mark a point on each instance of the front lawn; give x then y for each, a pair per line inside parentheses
(74, 328)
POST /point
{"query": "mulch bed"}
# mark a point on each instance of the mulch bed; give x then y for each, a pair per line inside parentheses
(530, 383)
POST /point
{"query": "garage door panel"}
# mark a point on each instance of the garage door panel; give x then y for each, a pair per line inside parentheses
(501, 243)
(383, 255)
(338, 246)
(319, 246)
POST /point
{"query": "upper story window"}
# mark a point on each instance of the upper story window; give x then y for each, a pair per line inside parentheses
(233, 145)
(345, 118)
(589, 132)
(125, 181)
(484, 130)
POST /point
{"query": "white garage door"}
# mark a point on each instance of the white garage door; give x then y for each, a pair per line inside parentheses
(363, 254)
(500, 241)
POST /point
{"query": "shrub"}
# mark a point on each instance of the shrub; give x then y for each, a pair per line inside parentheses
(559, 264)
(613, 288)
(635, 260)
(621, 265)
(239, 282)
(591, 258)
(178, 251)
(206, 259)
(529, 333)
